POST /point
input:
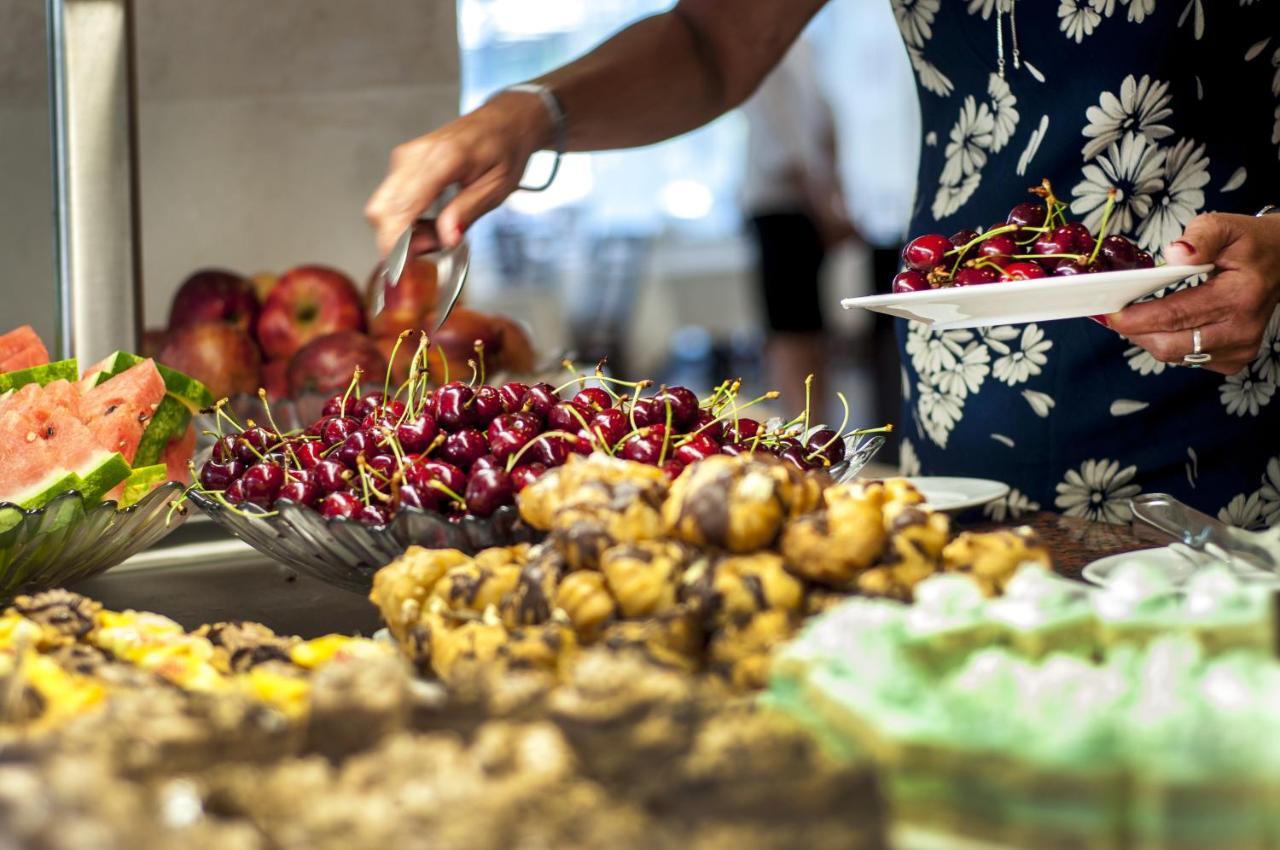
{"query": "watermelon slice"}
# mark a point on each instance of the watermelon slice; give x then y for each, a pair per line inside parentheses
(140, 482)
(177, 456)
(63, 370)
(46, 450)
(118, 410)
(22, 348)
(184, 388)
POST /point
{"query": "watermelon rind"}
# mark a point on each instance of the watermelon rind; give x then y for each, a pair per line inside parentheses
(141, 481)
(184, 388)
(45, 490)
(168, 423)
(94, 482)
(61, 370)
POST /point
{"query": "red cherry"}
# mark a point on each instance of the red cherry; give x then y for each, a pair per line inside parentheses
(339, 405)
(423, 473)
(308, 453)
(337, 429)
(550, 449)
(331, 476)
(255, 442)
(699, 448)
(454, 405)
(643, 448)
(301, 475)
(417, 433)
(976, 276)
(510, 432)
(608, 426)
(962, 237)
(1145, 261)
(525, 474)
(298, 491)
(736, 449)
(1024, 270)
(359, 443)
(927, 252)
(648, 411)
(374, 515)
(706, 423)
(826, 447)
(262, 482)
(590, 399)
(385, 465)
(540, 399)
(235, 492)
(512, 395)
(224, 449)
(797, 457)
(743, 430)
(486, 407)
(463, 448)
(340, 504)
(489, 490)
(1027, 214)
(412, 496)
(910, 281)
(1081, 239)
(683, 403)
(673, 468)
(218, 476)
(1071, 268)
(1000, 245)
(486, 462)
(1118, 253)
(564, 417)
(368, 404)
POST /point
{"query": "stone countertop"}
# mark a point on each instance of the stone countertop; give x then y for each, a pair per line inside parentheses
(1075, 542)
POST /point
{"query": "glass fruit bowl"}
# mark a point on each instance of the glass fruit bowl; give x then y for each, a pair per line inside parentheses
(65, 542)
(345, 553)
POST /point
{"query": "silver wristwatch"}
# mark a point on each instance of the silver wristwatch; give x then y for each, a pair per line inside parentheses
(559, 124)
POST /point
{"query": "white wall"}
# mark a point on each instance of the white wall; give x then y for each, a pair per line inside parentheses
(263, 128)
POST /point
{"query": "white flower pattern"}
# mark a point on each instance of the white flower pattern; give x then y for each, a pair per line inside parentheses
(970, 140)
(1013, 506)
(1078, 18)
(1140, 108)
(1186, 172)
(908, 462)
(1100, 490)
(1139, 9)
(1004, 113)
(1245, 393)
(1243, 511)
(1017, 367)
(1134, 166)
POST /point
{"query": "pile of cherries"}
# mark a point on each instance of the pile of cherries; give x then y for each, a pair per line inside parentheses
(1035, 241)
(469, 448)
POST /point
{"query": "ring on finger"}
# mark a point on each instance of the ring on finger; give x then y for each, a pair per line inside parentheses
(1197, 357)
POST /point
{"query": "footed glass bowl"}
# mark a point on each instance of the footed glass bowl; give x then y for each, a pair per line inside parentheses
(65, 542)
(346, 554)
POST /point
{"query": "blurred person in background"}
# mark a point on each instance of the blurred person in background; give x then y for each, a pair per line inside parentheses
(796, 213)
(1175, 111)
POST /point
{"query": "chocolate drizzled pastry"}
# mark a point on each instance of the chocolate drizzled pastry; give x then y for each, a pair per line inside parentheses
(741, 650)
(584, 597)
(991, 557)
(62, 614)
(402, 589)
(644, 577)
(737, 503)
(596, 480)
(532, 600)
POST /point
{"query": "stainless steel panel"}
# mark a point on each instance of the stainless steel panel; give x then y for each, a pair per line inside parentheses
(91, 75)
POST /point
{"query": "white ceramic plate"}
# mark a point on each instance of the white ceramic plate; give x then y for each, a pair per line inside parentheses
(1019, 301)
(1178, 568)
(957, 494)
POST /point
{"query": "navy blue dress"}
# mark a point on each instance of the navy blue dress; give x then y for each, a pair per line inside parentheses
(1177, 104)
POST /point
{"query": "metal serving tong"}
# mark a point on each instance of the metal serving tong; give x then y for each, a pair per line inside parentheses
(1202, 532)
(422, 238)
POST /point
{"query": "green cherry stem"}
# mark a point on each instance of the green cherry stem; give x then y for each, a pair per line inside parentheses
(1106, 220)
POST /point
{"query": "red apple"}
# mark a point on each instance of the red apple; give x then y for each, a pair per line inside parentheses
(405, 305)
(214, 295)
(153, 340)
(463, 329)
(220, 354)
(325, 364)
(309, 302)
(263, 283)
(515, 349)
(275, 379)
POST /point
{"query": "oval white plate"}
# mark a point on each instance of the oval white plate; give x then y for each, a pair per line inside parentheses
(1178, 568)
(943, 493)
(1019, 301)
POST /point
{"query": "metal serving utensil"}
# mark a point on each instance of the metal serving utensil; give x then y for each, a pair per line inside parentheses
(422, 239)
(1202, 532)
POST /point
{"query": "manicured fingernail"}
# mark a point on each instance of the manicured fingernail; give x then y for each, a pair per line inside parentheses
(1184, 245)
(1102, 320)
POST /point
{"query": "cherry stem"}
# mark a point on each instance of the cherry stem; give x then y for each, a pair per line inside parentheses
(1106, 220)
(514, 460)
(219, 413)
(444, 363)
(444, 488)
(1048, 256)
(353, 387)
(839, 434)
(666, 437)
(479, 349)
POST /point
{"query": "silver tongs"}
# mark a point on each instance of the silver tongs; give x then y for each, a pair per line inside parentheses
(422, 239)
(1202, 532)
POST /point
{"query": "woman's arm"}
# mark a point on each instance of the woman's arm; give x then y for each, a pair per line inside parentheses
(660, 77)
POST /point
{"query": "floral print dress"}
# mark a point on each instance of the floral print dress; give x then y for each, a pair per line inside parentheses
(1176, 103)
